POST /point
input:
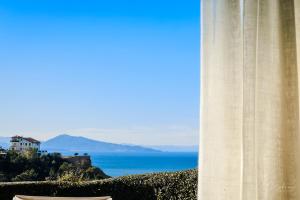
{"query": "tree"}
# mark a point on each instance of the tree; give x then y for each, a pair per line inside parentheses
(31, 153)
(28, 175)
(71, 176)
(30, 167)
(92, 173)
(52, 175)
(3, 178)
(66, 167)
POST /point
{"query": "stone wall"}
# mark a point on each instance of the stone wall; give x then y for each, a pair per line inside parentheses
(79, 160)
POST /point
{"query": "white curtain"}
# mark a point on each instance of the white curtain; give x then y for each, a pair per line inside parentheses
(249, 137)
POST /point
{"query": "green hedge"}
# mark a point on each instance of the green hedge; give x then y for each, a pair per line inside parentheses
(159, 186)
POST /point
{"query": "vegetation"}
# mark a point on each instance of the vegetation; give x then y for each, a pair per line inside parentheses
(159, 186)
(30, 166)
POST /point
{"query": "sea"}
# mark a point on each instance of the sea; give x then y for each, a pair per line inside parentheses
(122, 164)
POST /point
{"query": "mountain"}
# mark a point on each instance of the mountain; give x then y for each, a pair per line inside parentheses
(4, 142)
(176, 148)
(68, 143)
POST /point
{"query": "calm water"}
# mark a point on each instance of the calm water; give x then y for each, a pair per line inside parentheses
(120, 164)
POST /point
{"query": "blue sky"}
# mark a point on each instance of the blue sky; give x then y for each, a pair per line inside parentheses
(113, 70)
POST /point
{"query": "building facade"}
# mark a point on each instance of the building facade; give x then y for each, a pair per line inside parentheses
(19, 143)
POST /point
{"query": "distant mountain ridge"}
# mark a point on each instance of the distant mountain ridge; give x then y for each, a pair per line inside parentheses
(4, 142)
(176, 148)
(172, 148)
(68, 143)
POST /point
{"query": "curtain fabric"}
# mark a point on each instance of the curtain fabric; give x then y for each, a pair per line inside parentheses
(249, 137)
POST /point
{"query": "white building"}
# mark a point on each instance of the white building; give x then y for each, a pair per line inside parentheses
(19, 143)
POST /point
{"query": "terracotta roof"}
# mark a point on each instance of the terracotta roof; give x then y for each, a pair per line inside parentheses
(17, 136)
(29, 139)
(32, 140)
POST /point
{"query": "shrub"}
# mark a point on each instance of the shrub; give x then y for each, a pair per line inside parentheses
(92, 173)
(159, 186)
(27, 175)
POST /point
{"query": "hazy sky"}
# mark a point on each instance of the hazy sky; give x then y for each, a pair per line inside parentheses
(124, 71)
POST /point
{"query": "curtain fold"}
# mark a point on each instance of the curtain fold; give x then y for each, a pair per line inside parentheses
(249, 137)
